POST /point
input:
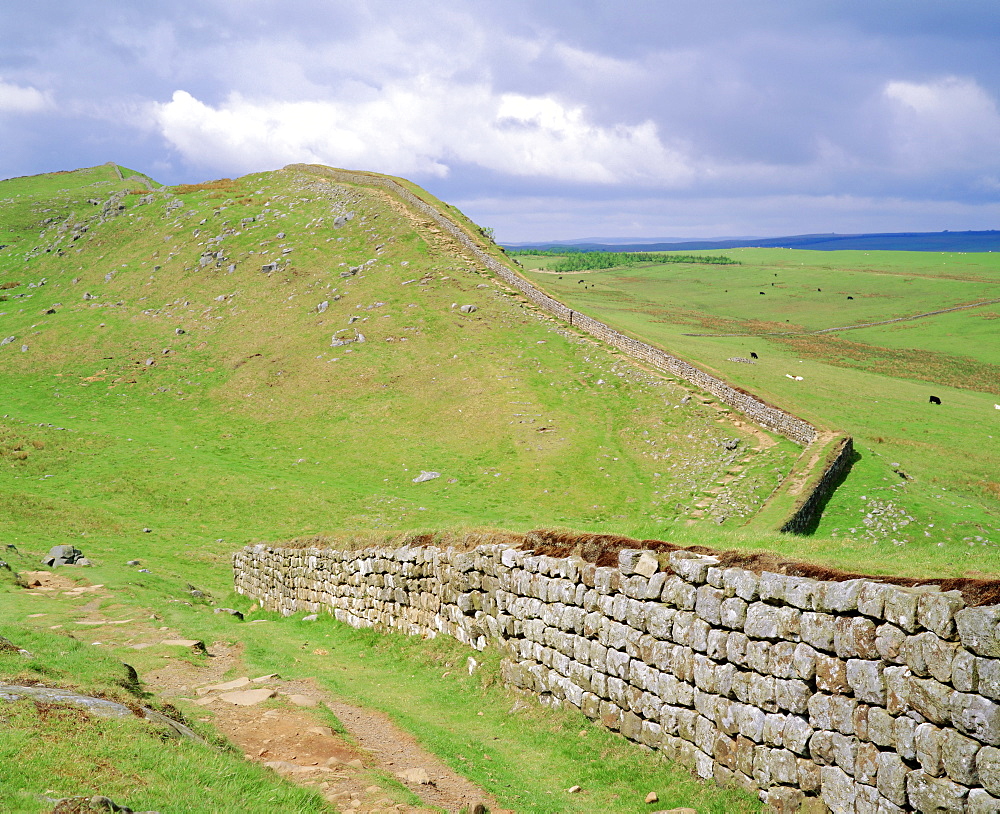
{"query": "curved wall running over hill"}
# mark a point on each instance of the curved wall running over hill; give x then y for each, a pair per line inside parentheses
(765, 415)
(869, 696)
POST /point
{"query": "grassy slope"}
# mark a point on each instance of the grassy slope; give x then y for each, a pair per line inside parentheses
(944, 518)
(250, 425)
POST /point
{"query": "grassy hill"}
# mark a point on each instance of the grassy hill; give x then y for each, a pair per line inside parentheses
(924, 498)
(190, 369)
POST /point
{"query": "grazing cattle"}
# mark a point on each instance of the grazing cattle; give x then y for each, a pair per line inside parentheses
(818, 289)
(850, 298)
(762, 292)
(753, 355)
(935, 400)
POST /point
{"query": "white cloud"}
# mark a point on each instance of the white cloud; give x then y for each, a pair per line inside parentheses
(17, 99)
(948, 123)
(422, 126)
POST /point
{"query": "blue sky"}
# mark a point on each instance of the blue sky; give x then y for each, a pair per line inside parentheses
(545, 120)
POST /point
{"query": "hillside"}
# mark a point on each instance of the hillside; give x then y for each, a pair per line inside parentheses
(190, 369)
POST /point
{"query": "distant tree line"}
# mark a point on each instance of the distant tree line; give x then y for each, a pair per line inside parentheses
(575, 260)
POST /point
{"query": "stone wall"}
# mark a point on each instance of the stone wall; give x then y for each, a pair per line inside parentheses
(807, 512)
(859, 696)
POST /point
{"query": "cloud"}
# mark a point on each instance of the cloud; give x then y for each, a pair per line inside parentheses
(17, 99)
(422, 126)
(949, 123)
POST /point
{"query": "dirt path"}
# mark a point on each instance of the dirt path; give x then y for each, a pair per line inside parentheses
(283, 723)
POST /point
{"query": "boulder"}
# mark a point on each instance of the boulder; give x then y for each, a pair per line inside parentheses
(63, 555)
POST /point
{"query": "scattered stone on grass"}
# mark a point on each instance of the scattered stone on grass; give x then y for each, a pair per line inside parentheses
(416, 775)
(247, 698)
(64, 555)
(426, 476)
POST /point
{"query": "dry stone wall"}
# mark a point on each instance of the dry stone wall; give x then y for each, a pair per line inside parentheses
(856, 696)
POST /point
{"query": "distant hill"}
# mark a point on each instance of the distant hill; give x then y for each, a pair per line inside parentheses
(884, 241)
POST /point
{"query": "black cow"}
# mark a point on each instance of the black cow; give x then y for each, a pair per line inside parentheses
(935, 400)
(818, 289)
(762, 292)
(753, 355)
(850, 298)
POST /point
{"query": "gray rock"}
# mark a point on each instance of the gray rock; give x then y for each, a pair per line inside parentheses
(979, 629)
(934, 794)
(468, 309)
(982, 802)
(62, 555)
(423, 477)
(976, 716)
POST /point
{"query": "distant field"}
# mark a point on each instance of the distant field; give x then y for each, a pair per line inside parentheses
(874, 382)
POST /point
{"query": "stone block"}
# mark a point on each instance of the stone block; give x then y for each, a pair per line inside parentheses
(854, 638)
(804, 661)
(934, 794)
(845, 751)
(958, 755)
(708, 604)
(810, 778)
(679, 594)
(866, 763)
(660, 621)
(988, 769)
(927, 741)
(698, 635)
(840, 597)
(891, 777)
(772, 587)
(837, 790)
(871, 599)
(817, 629)
(768, 622)
(901, 607)
(632, 561)
(631, 726)
(981, 801)
(761, 693)
(774, 727)
(979, 630)
(784, 800)
(880, 725)
(740, 582)
(903, 729)
(736, 648)
(889, 641)
(715, 645)
(965, 671)
(796, 734)
(759, 655)
(803, 593)
(988, 675)
(897, 695)
(792, 695)
(831, 674)
(865, 678)
(936, 611)
(691, 567)
(976, 716)
(751, 723)
(938, 656)
(733, 613)
(781, 659)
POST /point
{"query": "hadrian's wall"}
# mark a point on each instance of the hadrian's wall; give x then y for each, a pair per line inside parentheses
(858, 695)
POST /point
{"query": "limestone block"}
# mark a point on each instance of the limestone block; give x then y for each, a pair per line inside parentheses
(831, 674)
(704, 734)
(981, 801)
(861, 715)
(866, 763)
(976, 716)
(617, 664)
(733, 613)
(704, 673)
(771, 587)
(804, 661)
(682, 627)
(708, 604)
(988, 769)
(650, 734)
(903, 735)
(698, 635)
(817, 629)
(897, 696)
(759, 656)
(837, 790)
(660, 621)
(810, 777)
(736, 648)
(685, 723)
(988, 674)
(716, 644)
(774, 727)
(842, 710)
(936, 611)
(637, 615)
(630, 726)
(751, 723)
(840, 597)
(761, 692)
(854, 638)
(803, 593)
(958, 755)
(927, 793)
(871, 599)
(768, 622)
(707, 704)
(796, 733)
(729, 716)
(780, 663)
(938, 655)
(724, 675)
(965, 671)
(633, 561)
(880, 727)
(845, 751)
(792, 695)
(635, 587)
(928, 740)
(901, 607)
(691, 567)
(679, 594)
(979, 629)
(741, 583)
(889, 641)
(820, 711)
(865, 678)
(891, 777)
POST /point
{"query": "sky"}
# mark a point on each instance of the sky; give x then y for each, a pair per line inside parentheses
(561, 119)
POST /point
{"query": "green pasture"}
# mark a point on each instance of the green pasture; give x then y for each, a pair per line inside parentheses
(925, 495)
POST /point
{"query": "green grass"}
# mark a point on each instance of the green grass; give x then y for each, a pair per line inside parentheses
(943, 517)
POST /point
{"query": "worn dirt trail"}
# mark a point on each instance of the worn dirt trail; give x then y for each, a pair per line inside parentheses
(281, 723)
